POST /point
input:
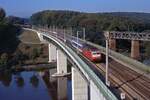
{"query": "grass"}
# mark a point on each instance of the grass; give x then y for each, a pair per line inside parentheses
(29, 36)
(29, 41)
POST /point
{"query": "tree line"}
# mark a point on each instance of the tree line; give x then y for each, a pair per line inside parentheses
(8, 39)
(95, 23)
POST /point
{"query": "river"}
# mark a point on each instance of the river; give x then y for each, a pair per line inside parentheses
(33, 86)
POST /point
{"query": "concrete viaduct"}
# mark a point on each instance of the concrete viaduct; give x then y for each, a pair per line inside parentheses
(86, 85)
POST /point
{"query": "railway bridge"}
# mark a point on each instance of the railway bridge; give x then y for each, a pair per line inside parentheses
(133, 36)
(87, 82)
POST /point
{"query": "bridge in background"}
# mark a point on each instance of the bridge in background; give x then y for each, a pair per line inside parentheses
(86, 83)
(133, 36)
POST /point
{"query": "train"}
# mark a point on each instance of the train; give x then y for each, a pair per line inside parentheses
(92, 53)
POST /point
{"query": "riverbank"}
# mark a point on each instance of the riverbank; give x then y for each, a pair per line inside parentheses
(34, 67)
(28, 51)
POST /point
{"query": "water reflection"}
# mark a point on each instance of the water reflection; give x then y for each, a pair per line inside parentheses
(22, 86)
(5, 78)
(62, 88)
(34, 81)
(58, 88)
(20, 81)
(34, 86)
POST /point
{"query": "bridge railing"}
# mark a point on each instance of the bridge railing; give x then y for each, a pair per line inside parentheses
(100, 85)
(123, 59)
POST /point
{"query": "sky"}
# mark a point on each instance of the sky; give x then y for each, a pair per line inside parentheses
(25, 8)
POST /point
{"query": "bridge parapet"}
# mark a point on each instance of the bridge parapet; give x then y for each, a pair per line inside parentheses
(119, 57)
(123, 59)
(128, 35)
(88, 72)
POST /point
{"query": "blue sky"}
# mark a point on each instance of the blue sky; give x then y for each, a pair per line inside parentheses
(25, 8)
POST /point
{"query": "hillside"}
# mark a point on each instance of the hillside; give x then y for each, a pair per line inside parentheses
(95, 23)
(145, 17)
(121, 21)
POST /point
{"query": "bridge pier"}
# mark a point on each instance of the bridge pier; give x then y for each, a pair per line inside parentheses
(61, 62)
(112, 44)
(135, 49)
(79, 86)
(95, 94)
(62, 88)
(52, 52)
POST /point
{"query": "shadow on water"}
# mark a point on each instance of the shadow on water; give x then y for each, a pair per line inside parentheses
(5, 78)
(34, 85)
(59, 88)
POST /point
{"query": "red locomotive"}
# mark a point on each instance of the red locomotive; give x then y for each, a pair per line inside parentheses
(93, 54)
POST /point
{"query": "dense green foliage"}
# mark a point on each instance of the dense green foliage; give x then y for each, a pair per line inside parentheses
(4, 59)
(8, 34)
(95, 23)
(8, 39)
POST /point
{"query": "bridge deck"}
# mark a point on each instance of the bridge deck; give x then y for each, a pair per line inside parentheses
(124, 80)
(133, 84)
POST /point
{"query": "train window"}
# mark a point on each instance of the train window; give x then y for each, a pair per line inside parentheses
(95, 53)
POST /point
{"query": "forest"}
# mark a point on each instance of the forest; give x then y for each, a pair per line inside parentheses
(8, 40)
(96, 23)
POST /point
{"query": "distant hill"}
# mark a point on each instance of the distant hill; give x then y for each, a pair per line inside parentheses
(144, 17)
(117, 21)
(17, 20)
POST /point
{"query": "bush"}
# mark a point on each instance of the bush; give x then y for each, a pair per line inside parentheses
(4, 59)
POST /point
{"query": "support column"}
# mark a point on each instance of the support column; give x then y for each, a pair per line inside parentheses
(62, 88)
(79, 86)
(95, 93)
(51, 72)
(61, 62)
(112, 44)
(52, 52)
(135, 49)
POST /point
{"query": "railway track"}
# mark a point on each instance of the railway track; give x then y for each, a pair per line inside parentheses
(118, 83)
(134, 85)
(123, 79)
(135, 79)
(115, 83)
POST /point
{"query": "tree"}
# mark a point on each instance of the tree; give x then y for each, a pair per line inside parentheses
(35, 53)
(6, 78)
(34, 81)
(4, 59)
(2, 14)
(19, 57)
(95, 23)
